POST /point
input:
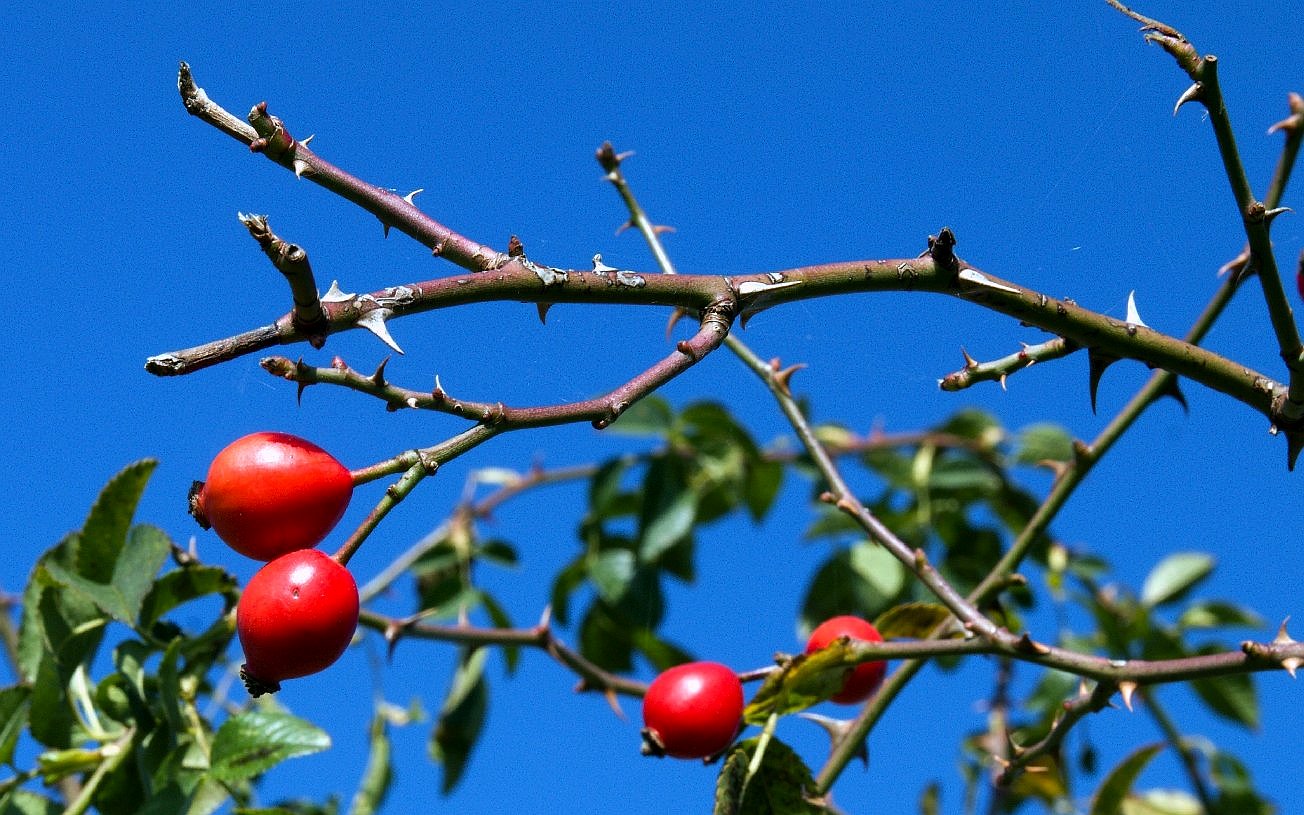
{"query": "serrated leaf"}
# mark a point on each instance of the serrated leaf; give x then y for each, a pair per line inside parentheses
(649, 416)
(105, 531)
(802, 681)
(461, 718)
(912, 621)
(183, 585)
(133, 577)
(778, 788)
(1174, 576)
(1109, 798)
(249, 744)
(1044, 442)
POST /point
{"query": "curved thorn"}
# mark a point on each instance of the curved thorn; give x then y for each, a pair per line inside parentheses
(1189, 95)
(374, 321)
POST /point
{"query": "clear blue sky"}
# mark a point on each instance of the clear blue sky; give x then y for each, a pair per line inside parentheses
(770, 136)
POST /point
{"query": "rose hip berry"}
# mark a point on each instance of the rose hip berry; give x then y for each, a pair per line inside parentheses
(272, 493)
(863, 679)
(295, 618)
(692, 711)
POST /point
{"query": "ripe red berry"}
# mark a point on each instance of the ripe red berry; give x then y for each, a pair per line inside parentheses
(272, 493)
(863, 679)
(692, 710)
(295, 618)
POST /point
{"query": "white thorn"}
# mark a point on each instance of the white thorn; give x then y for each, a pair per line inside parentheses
(412, 195)
(374, 321)
(335, 294)
(304, 142)
(1133, 317)
(752, 287)
(1290, 664)
(599, 266)
(1188, 95)
(411, 401)
(300, 167)
(978, 278)
(1127, 689)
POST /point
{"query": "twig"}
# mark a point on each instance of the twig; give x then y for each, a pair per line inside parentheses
(999, 369)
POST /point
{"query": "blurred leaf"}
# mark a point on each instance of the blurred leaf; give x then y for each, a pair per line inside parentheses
(912, 621)
(498, 551)
(606, 641)
(1236, 793)
(611, 572)
(604, 487)
(712, 428)
(1114, 789)
(14, 703)
(1231, 696)
(930, 800)
(802, 681)
(778, 788)
(22, 802)
(1043, 780)
(1174, 576)
(1217, 614)
(763, 480)
(105, 530)
(667, 524)
(248, 744)
(379, 773)
(965, 475)
(661, 653)
(862, 580)
(462, 717)
(976, 425)
(649, 416)
(570, 578)
(1162, 802)
(1043, 442)
(500, 619)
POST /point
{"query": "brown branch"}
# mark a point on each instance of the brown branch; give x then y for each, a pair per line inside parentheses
(593, 678)
(292, 262)
(601, 411)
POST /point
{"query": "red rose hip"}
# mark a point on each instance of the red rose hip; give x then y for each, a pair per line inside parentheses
(295, 618)
(692, 710)
(272, 493)
(863, 679)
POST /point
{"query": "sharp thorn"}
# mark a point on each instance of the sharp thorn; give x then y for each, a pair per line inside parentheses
(378, 378)
(1282, 637)
(599, 266)
(1133, 316)
(969, 362)
(1002, 381)
(1127, 689)
(412, 195)
(661, 229)
(1273, 213)
(335, 294)
(1097, 361)
(374, 321)
(543, 311)
(627, 225)
(300, 167)
(1290, 664)
(675, 317)
(1189, 95)
(1174, 390)
(385, 227)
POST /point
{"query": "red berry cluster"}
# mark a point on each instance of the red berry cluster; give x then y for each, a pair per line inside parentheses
(273, 497)
(695, 710)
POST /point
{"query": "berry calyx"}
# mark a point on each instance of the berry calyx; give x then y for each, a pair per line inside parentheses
(863, 679)
(295, 618)
(272, 493)
(692, 711)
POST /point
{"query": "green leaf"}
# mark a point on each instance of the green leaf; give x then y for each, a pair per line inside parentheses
(1109, 797)
(667, 526)
(661, 653)
(1217, 614)
(105, 531)
(912, 621)
(763, 480)
(802, 681)
(649, 416)
(976, 425)
(863, 580)
(251, 743)
(778, 788)
(1044, 442)
(1174, 576)
(1231, 696)
(611, 572)
(378, 775)
(14, 705)
(132, 579)
(955, 474)
(180, 586)
(22, 802)
(1165, 802)
(930, 800)
(461, 718)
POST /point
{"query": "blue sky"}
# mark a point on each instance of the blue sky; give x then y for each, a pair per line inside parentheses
(770, 136)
